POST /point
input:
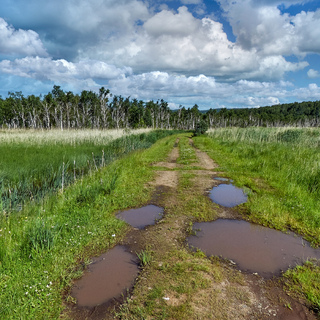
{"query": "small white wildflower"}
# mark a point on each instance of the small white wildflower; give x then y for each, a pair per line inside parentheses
(113, 235)
(26, 292)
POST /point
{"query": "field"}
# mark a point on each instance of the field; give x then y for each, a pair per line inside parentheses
(48, 239)
(35, 163)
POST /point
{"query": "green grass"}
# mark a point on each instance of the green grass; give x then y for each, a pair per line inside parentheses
(305, 280)
(281, 167)
(284, 176)
(145, 257)
(31, 168)
(46, 245)
(186, 152)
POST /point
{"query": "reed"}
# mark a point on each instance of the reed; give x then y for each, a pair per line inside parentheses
(35, 164)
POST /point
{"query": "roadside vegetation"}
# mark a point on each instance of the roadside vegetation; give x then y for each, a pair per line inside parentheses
(280, 169)
(47, 244)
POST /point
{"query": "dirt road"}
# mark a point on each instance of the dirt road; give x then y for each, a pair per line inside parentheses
(179, 283)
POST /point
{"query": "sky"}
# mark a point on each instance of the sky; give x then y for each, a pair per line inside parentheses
(216, 54)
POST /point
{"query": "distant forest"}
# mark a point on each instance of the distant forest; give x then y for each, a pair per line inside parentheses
(65, 110)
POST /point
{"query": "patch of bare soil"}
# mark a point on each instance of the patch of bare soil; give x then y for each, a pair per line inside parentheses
(166, 179)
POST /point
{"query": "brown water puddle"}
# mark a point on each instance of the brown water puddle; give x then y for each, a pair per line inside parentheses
(253, 248)
(108, 277)
(142, 217)
(227, 195)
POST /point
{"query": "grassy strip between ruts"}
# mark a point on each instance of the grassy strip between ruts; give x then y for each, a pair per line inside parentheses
(282, 179)
(42, 247)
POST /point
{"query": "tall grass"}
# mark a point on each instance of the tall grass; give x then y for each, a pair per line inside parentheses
(281, 166)
(66, 137)
(34, 164)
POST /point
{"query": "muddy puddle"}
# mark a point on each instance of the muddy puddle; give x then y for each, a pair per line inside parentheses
(227, 195)
(142, 217)
(253, 248)
(108, 277)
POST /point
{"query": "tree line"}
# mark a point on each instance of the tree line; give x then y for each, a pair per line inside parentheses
(303, 114)
(102, 110)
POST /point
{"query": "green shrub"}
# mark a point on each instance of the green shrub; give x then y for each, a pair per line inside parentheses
(201, 128)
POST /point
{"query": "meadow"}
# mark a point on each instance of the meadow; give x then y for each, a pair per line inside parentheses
(36, 163)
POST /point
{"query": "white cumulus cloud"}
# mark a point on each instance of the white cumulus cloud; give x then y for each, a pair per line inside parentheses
(313, 73)
(19, 42)
(61, 70)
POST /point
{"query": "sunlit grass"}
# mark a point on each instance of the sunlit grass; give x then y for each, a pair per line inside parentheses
(35, 163)
(282, 168)
(45, 246)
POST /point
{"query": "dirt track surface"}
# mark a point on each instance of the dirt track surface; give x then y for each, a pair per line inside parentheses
(228, 293)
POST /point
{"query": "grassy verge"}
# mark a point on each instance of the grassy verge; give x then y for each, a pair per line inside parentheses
(281, 168)
(46, 245)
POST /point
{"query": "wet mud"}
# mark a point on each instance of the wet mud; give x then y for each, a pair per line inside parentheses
(141, 217)
(253, 248)
(227, 195)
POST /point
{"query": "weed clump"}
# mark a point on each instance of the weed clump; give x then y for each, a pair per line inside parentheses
(40, 237)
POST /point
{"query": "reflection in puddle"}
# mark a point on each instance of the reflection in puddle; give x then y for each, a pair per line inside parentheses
(139, 218)
(108, 277)
(253, 248)
(227, 195)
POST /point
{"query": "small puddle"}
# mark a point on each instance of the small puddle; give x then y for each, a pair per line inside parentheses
(108, 277)
(142, 217)
(254, 248)
(227, 195)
